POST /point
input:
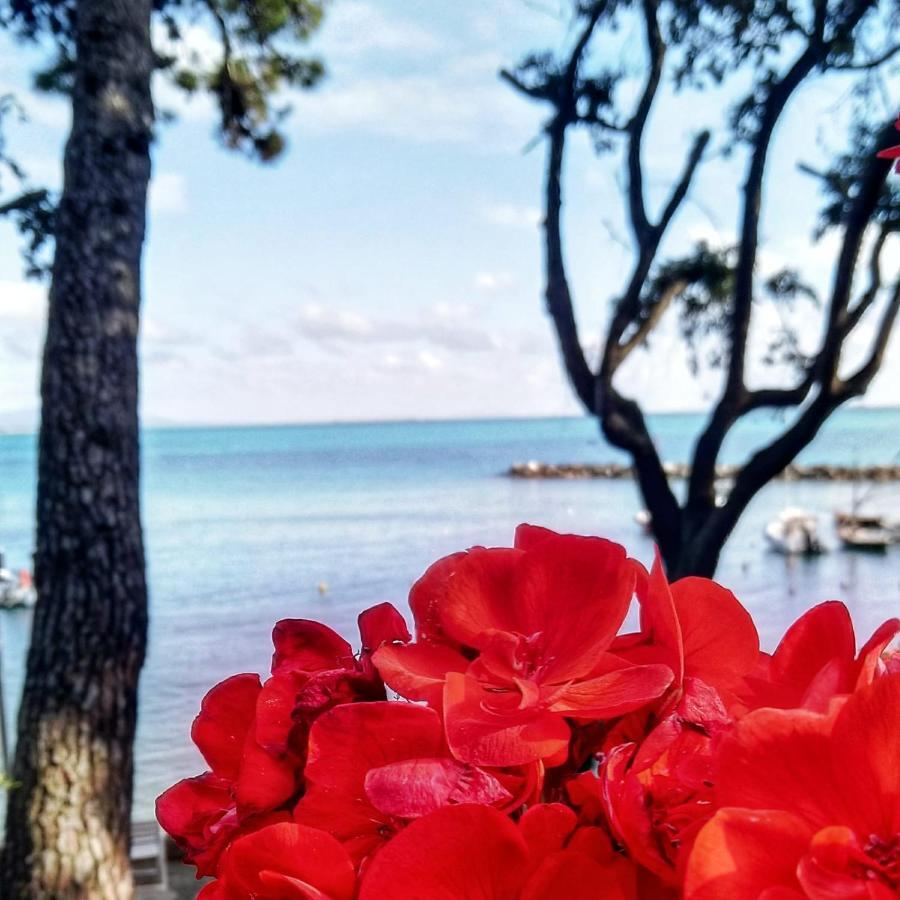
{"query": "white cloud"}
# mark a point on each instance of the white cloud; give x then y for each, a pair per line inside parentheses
(511, 215)
(446, 326)
(430, 360)
(494, 281)
(353, 28)
(320, 322)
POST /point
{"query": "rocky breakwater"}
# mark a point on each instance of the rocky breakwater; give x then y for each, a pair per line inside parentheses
(534, 469)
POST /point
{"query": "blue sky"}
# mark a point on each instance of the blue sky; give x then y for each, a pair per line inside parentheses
(390, 265)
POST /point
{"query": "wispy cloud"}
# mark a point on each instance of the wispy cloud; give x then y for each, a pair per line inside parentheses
(494, 281)
(450, 327)
(355, 28)
(512, 215)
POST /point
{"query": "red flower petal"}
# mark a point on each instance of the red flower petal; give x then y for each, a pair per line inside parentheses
(827, 870)
(740, 854)
(200, 816)
(613, 694)
(659, 619)
(457, 853)
(721, 643)
(344, 745)
(226, 716)
(546, 828)
(585, 583)
(286, 861)
(869, 661)
(349, 740)
(426, 596)
(306, 646)
(265, 781)
(416, 787)
(275, 710)
(479, 597)
(575, 876)
(381, 624)
(484, 738)
(865, 756)
(527, 537)
(417, 671)
(780, 759)
(819, 636)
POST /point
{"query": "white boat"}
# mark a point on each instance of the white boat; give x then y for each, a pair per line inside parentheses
(865, 537)
(16, 590)
(794, 532)
(859, 532)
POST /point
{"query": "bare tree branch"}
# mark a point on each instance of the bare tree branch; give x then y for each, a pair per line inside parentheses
(701, 488)
(831, 392)
(557, 294)
(535, 92)
(868, 64)
(775, 398)
(858, 216)
(624, 427)
(656, 52)
(684, 182)
(858, 383)
(853, 316)
(657, 311)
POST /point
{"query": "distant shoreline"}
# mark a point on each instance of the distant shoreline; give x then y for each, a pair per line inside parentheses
(154, 424)
(539, 470)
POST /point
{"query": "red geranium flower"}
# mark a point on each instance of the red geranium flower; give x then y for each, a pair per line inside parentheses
(694, 626)
(254, 736)
(373, 766)
(811, 805)
(476, 853)
(314, 669)
(817, 660)
(512, 642)
(284, 862)
(203, 814)
(659, 793)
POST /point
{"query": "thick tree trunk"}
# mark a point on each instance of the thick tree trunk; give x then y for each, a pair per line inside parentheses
(68, 821)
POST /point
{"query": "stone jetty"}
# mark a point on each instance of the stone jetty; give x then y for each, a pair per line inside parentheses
(534, 469)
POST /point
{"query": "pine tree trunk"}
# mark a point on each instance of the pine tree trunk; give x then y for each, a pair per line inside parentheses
(68, 820)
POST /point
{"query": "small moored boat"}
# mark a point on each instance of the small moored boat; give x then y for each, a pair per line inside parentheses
(16, 590)
(863, 532)
(794, 532)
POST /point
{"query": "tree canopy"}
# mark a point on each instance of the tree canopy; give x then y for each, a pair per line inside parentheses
(764, 51)
(261, 55)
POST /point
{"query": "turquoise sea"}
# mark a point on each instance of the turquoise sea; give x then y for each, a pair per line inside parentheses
(244, 524)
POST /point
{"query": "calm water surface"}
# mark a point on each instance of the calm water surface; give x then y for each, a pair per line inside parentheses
(243, 524)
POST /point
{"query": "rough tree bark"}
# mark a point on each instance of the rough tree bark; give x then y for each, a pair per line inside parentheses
(68, 820)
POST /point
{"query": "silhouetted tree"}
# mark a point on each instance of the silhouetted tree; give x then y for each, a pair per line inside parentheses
(778, 45)
(68, 820)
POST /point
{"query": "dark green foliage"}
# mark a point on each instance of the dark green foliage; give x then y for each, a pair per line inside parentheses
(840, 182)
(708, 278)
(261, 56)
(31, 209)
(262, 44)
(34, 213)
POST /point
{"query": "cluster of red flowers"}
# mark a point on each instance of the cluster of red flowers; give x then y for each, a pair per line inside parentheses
(535, 753)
